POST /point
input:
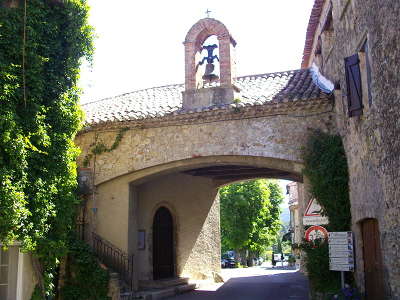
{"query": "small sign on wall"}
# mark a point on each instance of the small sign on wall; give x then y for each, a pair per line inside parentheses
(141, 239)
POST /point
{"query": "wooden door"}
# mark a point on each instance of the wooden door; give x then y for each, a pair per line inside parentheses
(374, 289)
(163, 245)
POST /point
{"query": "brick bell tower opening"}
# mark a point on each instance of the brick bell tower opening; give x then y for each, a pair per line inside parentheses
(209, 65)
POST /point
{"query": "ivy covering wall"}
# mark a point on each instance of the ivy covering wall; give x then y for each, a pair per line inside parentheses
(42, 44)
(327, 171)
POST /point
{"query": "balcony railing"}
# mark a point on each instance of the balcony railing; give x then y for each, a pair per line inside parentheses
(114, 258)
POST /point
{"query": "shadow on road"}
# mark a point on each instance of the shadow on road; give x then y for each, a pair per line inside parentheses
(274, 286)
(279, 268)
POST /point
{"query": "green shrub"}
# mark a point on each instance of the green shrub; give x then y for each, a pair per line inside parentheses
(85, 279)
(317, 264)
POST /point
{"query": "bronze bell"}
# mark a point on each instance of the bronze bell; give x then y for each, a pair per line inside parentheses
(208, 75)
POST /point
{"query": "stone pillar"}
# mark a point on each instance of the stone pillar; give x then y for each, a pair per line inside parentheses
(225, 61)
(303, 199)
(114, 288)
(133, 232)
(190, 66)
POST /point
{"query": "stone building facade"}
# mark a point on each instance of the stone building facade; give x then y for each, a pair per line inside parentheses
(295, 216)
(367, 107)
(296, 224)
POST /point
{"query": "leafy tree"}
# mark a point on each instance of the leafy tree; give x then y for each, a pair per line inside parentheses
(250, 215)
(42, 43)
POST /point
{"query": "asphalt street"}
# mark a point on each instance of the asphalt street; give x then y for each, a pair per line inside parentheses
(258, 283)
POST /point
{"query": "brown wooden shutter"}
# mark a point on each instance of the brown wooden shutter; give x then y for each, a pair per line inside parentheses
(353, 82)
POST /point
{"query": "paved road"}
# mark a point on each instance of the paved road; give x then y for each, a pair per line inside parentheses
(258, 283)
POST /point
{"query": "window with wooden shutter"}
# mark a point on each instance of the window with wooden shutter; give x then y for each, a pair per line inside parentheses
(353, 82)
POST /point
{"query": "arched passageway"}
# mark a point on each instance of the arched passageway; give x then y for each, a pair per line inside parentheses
(187, 189)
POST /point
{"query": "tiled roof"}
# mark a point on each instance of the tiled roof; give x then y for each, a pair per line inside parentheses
(161, 101)
(311, 28)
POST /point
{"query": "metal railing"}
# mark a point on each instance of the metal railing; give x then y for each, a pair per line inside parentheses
(80, 228)
(114, 258)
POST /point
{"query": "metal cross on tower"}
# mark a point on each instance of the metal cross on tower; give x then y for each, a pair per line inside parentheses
(208, 13)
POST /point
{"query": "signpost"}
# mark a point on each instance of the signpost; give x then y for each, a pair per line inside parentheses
(316, 232)
(341, 252)
(312, 214)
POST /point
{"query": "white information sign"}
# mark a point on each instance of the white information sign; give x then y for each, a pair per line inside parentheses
(341, 251)
(312, 214)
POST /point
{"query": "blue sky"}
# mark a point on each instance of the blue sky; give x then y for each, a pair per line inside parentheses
(139, 43)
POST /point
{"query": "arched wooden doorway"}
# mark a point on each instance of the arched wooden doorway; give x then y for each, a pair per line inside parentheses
(163, 244)
(372, 260)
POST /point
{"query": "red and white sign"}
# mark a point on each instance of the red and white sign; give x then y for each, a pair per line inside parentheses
(316, 232)
(312, 214)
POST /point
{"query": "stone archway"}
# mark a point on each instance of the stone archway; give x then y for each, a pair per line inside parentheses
(178, 144)
(190, 187)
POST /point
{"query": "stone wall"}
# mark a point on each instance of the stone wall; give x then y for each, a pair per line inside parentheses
(279, 137)
(144, 171)
(195, 212)
(371, 141)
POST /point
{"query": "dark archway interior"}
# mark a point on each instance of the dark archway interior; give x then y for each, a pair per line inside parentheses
(239, 172)
(163, 245)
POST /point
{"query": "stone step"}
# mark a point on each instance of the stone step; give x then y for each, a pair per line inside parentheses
(184, 288)
(158, 294)
(162, 283)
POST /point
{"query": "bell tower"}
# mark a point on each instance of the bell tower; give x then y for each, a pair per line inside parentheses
(203, 87)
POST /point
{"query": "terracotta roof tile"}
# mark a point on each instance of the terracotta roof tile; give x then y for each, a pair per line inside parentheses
(311, 28)
(261, 89)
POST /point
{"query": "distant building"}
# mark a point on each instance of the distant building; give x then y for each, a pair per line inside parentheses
(296, 224)
(295, 216)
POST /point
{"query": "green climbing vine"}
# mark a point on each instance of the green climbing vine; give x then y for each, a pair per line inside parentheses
(326, 168)
(99, 148)
(42, 44)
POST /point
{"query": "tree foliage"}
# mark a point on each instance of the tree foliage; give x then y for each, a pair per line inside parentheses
(40, 57)
(250, 215)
